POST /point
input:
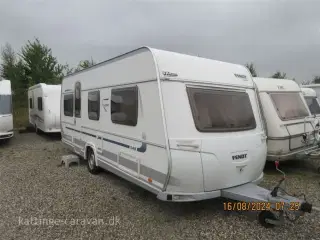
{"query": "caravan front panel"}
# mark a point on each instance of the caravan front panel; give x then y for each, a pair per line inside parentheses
(6, 119)
(221, 129)
(291, 129)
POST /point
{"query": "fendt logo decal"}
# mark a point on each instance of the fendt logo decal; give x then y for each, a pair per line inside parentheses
(240, 156)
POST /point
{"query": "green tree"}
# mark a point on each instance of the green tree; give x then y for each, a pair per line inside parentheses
(39, 64)
(316, 79)
(84, 64)
(252, 69)
(12, 67)
(279, 75)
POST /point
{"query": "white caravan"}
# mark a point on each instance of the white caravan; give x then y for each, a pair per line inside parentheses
(310, 96)
(315, 87)
(185, 128)
(291, 129)
(6, 119)
(44, 107)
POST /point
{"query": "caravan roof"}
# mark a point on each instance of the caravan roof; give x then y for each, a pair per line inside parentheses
(276, 85)
(312, 85)
(308, 92)
(172, 65)
(45, 86)
(5, 86)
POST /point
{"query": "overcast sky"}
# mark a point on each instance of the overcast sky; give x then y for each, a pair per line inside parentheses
(274, 34)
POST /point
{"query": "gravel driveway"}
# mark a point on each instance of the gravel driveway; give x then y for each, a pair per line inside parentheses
(40, 200)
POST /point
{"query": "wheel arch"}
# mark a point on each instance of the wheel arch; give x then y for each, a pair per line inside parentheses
(88, 146)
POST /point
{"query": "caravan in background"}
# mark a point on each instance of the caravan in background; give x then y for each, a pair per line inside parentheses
(292, 130)
(44, 107)
(6, 118)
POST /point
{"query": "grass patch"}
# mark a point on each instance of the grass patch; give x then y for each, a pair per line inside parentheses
(20, 117)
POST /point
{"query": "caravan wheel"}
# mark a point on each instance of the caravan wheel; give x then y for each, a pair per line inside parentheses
(91, 163)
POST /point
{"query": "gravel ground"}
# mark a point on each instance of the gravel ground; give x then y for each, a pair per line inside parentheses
(34, 187)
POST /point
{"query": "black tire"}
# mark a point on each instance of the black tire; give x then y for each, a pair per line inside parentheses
(318, 170)
(266, 215)
(91, 164)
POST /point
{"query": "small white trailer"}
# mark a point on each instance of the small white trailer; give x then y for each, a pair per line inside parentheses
(291, 129)
(182, 127)
(6, 119)
(311, 98)
(44, 107)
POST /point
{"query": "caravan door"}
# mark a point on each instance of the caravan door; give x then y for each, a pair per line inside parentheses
(233, 148)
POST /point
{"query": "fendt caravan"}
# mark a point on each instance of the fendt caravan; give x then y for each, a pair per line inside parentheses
(291, 129)
(311, 98)
(44, 107)
(6, 119)
(185, 128)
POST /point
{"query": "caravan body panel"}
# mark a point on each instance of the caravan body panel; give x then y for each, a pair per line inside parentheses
(136, 151)
(287, 118)
(6, 118)
(153, 139)
(44, 107)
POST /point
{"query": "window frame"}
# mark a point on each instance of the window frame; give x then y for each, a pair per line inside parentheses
(77, 114)
(136, 91)
(190, 92)
(40, 100)
(99, 108)
(276, 108)
(64, 109)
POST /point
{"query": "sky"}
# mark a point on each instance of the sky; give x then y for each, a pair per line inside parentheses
(276, 35)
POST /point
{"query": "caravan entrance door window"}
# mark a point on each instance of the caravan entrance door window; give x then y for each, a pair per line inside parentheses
(221, 110)
(5, 104)
(289, 105)
(313, 105)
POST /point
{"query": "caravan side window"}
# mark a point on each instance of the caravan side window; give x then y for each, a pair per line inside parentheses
(68, 105)
(40, 103)
(94, 105)
(30, 103)
(124, 106)
(77, 101)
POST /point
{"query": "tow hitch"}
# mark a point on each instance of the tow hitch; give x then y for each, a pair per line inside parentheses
(278, 204)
